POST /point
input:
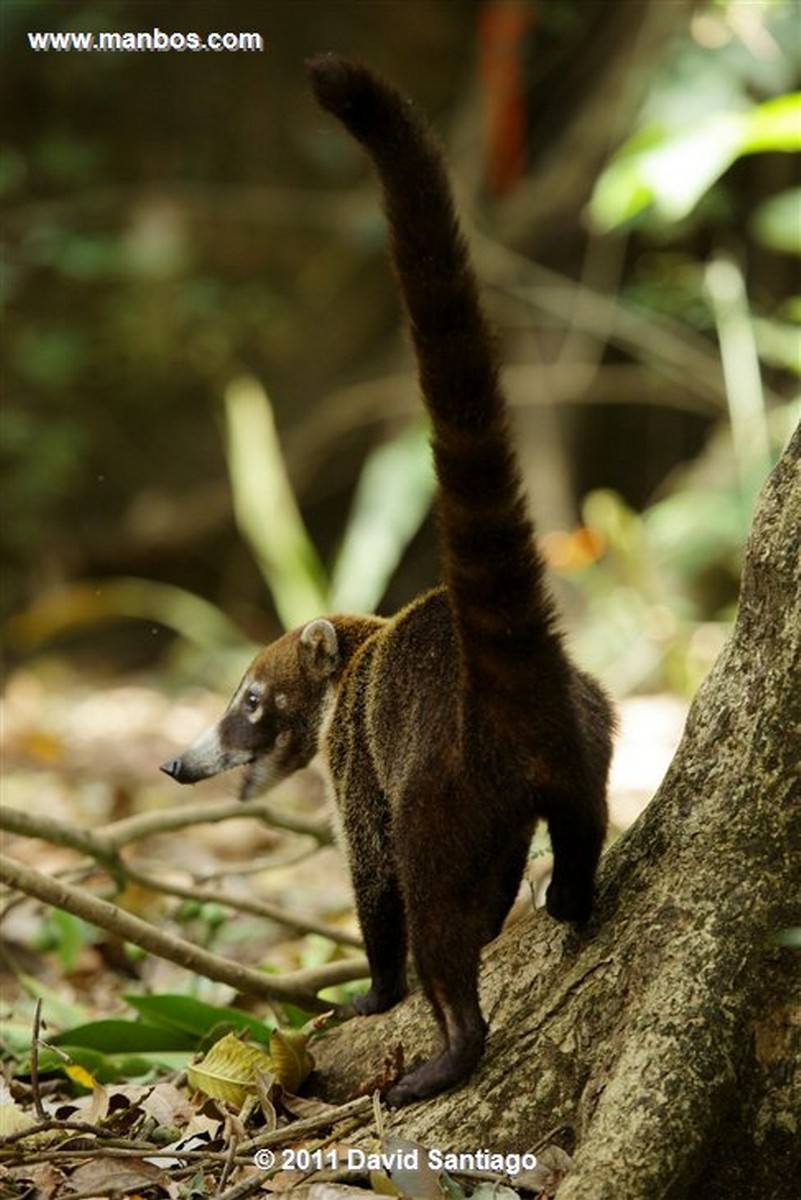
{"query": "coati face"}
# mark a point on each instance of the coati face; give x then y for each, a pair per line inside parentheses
(272, 723)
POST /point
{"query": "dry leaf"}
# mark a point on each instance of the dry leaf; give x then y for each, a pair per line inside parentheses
(105, 1175)
(291, 1059)
(228, 1071)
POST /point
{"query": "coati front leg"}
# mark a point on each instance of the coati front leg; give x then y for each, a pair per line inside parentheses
(380, 910)
(379, 904)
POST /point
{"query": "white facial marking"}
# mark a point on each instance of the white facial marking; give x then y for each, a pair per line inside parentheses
(208, 755)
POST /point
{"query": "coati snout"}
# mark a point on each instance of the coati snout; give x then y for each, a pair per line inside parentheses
(449, 730)
(272, 722)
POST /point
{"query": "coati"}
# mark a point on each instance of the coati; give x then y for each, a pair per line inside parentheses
(448, 730)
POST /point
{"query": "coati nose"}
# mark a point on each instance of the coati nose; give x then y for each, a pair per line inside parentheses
(171, 767)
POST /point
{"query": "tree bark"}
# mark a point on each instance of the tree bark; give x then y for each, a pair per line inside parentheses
(664, 1043)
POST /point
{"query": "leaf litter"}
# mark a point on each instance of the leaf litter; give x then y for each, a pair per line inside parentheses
(75, 1133)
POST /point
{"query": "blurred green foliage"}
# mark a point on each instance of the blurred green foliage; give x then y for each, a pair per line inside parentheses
(667, 172)
(661, 596)
(391, 500)
(169, 237)
(168, 1031)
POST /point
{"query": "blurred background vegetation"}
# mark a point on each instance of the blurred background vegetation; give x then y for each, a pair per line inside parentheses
(211, 429)
(187, 236)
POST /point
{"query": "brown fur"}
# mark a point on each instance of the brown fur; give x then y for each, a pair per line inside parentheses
(449, 730)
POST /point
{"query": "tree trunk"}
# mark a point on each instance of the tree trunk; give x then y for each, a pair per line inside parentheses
(662, 1048)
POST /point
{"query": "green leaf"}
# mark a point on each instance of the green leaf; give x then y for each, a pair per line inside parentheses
(266, 509)
(93, 601)
(671, 169)
(70, 934)
(392, 498)
(108, 1068)
(777, 222)
(672, 174)
(779, 344)
(112, 1036)
(56, 1010)
(194, 1017)
(774, 125)
(494, 1191)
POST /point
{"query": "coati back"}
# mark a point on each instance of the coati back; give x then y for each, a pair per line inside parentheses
(449, 730)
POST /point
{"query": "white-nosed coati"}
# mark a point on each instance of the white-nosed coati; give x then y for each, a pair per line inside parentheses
(448, 730)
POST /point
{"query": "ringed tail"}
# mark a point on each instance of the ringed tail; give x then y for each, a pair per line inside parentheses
(494, 572)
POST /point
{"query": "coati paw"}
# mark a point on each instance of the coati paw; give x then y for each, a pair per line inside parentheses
(377, 1000)
(402, 1093)
(437, 1075)
(567, 902)
(417, 1085)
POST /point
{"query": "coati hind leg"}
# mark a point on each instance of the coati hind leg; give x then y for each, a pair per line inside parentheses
(458, 894)
(501, 880)
(574, 804)
(446, 944)
(577, 826)
(447, 960)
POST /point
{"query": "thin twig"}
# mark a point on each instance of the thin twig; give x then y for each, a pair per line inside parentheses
(103, 844)
(76, 1126)
(267, 862)
(306, 1125)
(653, 339)
(62, 833)
(228, 1165)
(38, 1107)
(300, 922)
(240, 1191)
(142, 825)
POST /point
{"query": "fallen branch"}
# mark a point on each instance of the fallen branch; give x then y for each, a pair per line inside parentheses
(61, 833)
(294, 987)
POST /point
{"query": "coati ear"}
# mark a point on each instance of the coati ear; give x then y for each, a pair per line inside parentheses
(320, 646)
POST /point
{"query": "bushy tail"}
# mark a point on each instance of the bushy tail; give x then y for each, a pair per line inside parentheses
(493, 569)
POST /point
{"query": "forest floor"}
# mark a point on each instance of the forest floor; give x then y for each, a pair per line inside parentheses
(88, 754)
(85, 752)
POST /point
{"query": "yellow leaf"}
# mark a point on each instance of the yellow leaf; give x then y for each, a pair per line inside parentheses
(383, 1185)
(292, 1062)
(228, 1071)
(44, 747)
(80, 1076)
(232, 1068)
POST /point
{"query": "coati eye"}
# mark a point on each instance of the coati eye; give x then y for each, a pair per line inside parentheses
(252, 700)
